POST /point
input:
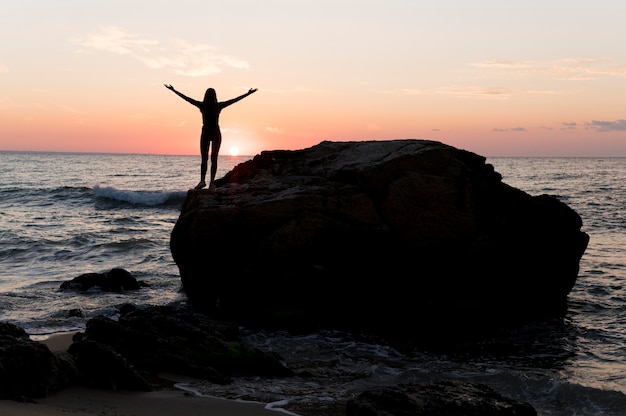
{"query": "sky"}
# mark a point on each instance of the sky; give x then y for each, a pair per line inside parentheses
(498, 78)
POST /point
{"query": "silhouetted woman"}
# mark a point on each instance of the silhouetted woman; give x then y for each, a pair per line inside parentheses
(210, 109)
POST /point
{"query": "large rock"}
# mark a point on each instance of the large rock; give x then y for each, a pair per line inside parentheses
(28, 369)
(375, 233)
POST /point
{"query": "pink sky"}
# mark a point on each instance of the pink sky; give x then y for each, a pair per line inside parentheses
(543, 78)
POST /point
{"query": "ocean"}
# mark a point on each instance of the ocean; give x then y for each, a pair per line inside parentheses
(65, 214)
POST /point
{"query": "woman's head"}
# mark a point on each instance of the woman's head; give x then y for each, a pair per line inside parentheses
(210, 96)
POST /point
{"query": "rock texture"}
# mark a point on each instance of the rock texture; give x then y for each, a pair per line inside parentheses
(380, 233)
(28, 369)
(127, 353)
(115, 280)
(450, 398)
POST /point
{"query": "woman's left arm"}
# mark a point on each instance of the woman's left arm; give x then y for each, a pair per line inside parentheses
(241, 97)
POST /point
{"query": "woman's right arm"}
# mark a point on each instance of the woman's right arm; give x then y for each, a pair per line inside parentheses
(183, 96)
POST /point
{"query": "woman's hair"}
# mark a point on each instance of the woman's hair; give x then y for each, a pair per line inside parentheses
(210, 96)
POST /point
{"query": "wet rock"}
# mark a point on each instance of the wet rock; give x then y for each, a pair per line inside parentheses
(101, 366)
(166, 339)
(115, 280)
(28, 369)
(450, 398)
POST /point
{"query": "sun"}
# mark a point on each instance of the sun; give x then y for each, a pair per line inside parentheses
(234, 151)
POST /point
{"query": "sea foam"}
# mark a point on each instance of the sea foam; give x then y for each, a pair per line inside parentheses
(145, 198)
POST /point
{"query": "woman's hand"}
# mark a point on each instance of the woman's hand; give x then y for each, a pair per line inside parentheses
(252, 90)
(169, 87)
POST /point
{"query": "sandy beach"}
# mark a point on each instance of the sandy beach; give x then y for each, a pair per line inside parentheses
(84, 401)
(87, 401)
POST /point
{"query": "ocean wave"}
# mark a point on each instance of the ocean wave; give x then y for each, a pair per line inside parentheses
(138, 198)
(31, 196)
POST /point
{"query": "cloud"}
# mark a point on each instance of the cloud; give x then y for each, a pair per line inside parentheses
(569, 125)
(605, 126)
(3, 69)
(183, 57)
(474, 91)
(515, 129)
(572, 69)
(274, 130)
(115, 40)
(297, 90)
(498, 93)
(411, 91)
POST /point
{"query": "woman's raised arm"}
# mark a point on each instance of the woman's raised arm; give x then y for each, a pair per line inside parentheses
(183, 96)
(241, 97)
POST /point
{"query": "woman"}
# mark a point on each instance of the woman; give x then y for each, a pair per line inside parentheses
(210, 109)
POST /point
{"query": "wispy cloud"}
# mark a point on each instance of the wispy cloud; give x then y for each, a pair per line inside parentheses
(115, 40)
(274, 130)
(469, 91)
(499, 93)
(569, 125)
(514, 129)
(296, 90)
(183, 57)
(605, 126)
(572, 69)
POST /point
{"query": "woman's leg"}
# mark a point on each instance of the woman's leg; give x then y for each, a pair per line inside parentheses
(204, 153)
(217, 142)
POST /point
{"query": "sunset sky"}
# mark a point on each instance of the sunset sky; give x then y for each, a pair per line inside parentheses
(533, 78)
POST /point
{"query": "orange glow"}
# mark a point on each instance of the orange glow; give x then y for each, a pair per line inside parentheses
(399, 70)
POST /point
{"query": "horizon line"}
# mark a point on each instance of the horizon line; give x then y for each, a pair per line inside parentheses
(250, 155)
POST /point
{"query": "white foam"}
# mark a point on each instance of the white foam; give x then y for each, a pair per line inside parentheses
(276, 407)
(148, 198)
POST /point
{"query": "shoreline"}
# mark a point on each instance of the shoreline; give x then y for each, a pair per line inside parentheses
(92, 401)
(167, 402)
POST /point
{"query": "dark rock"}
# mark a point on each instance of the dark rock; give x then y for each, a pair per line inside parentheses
(165, 339)
(101, 366)
(28, 369)
(115, 280)
(448, 398)
(402, 234)
(76, 313)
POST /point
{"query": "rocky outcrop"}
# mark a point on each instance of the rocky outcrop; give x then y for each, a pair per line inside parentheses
(127, 353)
(383, 233)
(450, 398)
(28, 369)
(115, 280)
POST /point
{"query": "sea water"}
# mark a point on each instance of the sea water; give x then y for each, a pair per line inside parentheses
(62, 215)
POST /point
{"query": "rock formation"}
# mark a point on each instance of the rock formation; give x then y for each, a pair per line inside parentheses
(450, 398)
(378, 233)
(115, 280)
(144, 342)
(28, 369)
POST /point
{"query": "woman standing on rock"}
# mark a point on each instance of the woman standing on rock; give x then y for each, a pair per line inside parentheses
(210, 109)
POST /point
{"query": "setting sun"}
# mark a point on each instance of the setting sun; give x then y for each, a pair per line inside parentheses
(234, 151)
